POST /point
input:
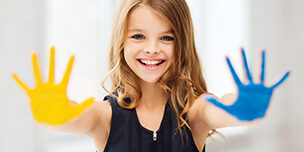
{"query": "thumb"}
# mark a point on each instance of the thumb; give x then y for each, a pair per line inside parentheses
(85, 104)
(215, 102)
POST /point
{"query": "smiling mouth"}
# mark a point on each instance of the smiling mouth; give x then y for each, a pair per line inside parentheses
(149, 62)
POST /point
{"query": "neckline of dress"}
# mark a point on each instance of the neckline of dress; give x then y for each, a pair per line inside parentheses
(161, 124)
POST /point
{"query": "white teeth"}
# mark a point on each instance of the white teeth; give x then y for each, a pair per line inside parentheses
(150, 62)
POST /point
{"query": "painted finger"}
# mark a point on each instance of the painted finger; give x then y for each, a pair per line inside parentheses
(249, 77)
(52, 65)
(235, 76)
(67, 74)
(85, 104)
(281, 80)
(36, 68)
(262, 76)
(215, 102)
(20, 83)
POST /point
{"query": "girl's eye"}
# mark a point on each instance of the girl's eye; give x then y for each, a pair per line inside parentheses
(138, 37)
(167, 38)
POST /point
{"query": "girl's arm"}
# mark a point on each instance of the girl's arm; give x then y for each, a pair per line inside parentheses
(94, 119)
(246, 108)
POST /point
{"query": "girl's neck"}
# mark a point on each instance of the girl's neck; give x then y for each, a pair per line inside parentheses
(153, 96)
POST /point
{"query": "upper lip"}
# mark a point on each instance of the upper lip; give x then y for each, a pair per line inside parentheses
(151, 59)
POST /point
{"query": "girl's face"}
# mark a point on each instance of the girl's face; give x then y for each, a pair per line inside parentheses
(149, 45)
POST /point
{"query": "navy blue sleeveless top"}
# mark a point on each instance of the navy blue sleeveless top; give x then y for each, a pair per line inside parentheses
(128, 135)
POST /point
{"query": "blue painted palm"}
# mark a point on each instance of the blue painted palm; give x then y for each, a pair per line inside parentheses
(253, 98)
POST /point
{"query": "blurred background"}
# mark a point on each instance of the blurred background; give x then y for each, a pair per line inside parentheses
(83, 27)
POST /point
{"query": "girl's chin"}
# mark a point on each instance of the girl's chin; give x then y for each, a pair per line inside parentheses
(149, 80)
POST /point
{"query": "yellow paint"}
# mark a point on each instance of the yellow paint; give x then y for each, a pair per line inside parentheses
(49, 102)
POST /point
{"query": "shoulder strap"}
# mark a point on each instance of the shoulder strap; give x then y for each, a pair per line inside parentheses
(111, 99)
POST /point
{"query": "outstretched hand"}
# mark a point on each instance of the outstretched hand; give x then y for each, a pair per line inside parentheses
(253, 98)
(49, 102)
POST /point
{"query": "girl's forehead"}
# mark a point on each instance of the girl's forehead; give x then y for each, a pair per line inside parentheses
(144, 18)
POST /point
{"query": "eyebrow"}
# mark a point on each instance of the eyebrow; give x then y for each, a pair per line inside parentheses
(140, 30)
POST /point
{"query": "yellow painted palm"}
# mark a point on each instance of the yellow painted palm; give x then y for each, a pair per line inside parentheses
(49, 102)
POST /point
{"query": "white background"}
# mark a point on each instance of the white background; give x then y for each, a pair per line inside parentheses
(82, 28)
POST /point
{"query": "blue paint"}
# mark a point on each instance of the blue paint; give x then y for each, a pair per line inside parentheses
(253, 98)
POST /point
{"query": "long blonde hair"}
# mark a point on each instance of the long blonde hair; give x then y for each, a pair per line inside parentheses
(183, 81)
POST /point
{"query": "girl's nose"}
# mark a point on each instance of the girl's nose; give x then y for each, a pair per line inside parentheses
(152, 48)
(151, 51)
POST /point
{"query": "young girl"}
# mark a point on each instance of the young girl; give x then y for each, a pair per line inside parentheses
(158, 101)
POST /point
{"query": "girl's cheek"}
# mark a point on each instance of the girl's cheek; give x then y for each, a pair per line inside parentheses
(132, 49)
(128, 45)
(169, 49)
(135, 47)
